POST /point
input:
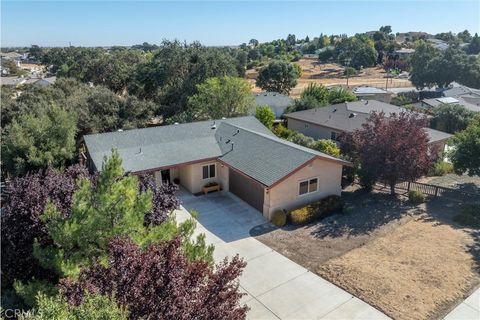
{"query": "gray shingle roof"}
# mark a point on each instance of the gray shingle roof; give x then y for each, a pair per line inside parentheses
(257, 152)
(470, 105)
(435, 135)
(346, 116)
(276, 101)
(263, 157)
(350, 116)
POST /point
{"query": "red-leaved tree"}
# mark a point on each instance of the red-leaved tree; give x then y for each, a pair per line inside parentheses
(159, 282)
(391, 149)
(25, 199)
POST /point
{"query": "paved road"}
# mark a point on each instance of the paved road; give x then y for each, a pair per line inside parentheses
(468, 309)
(276, 287)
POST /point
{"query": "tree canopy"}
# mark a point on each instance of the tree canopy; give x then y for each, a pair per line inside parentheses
(451, 118)
(390, 149)
(466, 150)
(221, 97)
(31, 142)
(277, 76)
(265, 115)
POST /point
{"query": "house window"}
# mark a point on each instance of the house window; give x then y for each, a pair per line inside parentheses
(308, 186)
(306, 125)
(333, 136)
(208, 171)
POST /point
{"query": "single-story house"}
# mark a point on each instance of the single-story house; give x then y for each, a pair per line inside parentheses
(472, 104)
(276, 101)
(457, 90)
(239, 154)
(371, 93)
(330, 121)
(12, 81)
(404, 52)
(42, 82)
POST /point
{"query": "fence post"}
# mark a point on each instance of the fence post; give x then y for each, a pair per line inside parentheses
(408, 186)
(436, 191)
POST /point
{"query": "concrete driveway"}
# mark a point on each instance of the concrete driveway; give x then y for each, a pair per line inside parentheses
(276, 287)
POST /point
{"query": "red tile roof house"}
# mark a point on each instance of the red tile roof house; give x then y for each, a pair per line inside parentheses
(239, 154)
(328, 122)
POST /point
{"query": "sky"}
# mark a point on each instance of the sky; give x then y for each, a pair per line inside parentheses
(106, 23)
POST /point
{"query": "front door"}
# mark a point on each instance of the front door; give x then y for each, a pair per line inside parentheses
(165, 176)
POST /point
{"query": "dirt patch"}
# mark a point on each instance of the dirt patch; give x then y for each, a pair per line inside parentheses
(331, 74)
(413, 272)
(410, 262)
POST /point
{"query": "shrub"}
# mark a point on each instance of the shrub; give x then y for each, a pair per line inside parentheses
(469, 216)
(349, 71)
(416, 197)
(316, 210)
(366, 179)
(28, 291)
(441, 168)
(327, 146)
(302, 215)
(279, 218)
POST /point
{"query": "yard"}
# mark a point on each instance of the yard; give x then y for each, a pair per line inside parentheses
(330, 74)
(409, 262)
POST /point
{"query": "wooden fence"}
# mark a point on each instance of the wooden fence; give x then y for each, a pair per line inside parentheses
(438, 191)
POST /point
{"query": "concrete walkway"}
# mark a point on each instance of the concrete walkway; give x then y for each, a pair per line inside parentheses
(276, 287)
(468, 309)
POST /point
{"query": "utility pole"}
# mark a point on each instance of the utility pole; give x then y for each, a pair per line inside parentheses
(347, 63)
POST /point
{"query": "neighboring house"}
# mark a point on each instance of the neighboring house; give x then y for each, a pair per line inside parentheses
(276, 101)
(329, 122)
(371, 93)
(44, 82)
(240, 154)
(12, 81)
(16, 81)
(404, 53)
(472, 104)
(438, 44)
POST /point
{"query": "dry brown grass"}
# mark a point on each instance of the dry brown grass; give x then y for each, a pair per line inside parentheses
(411, 273)
(330, 74)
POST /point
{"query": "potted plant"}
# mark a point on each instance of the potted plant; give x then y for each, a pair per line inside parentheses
(211, 186)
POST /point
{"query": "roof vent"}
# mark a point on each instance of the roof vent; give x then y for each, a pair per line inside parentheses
(214, 126)
(238, 131)
(176, 123)
(366, 102)
(228, 141)
(352, 115)
(139, 150)
(334, 110)
(120, 130)
(232, 145)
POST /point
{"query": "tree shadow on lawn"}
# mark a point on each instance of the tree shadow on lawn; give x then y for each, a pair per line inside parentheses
(363, 214)
(443, 210)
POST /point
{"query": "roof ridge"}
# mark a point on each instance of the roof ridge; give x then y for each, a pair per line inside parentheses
(286, 142)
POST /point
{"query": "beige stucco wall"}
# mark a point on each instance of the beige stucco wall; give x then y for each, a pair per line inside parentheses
(311, 130)
(191, 176)
(284, 196)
